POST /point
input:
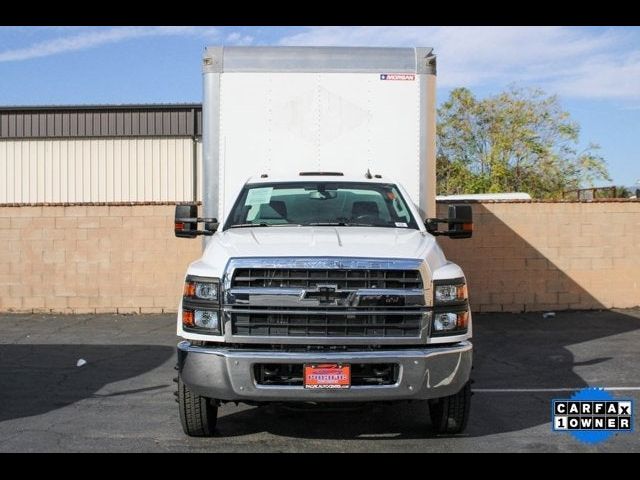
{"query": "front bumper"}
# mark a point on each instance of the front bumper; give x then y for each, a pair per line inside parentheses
(227, 374)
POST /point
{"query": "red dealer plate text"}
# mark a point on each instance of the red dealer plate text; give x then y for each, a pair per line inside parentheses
(327, 375)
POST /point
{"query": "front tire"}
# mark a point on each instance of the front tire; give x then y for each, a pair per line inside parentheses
(198, 415)
(450, 414)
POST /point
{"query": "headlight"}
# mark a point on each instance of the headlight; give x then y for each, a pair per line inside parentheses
(200, 304)
(450, 323)
(450, 293)
(201, 288)
(445, 321)
(451, 314)
(200, 318)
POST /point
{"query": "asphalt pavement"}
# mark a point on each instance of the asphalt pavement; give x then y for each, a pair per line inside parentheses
(104, 383)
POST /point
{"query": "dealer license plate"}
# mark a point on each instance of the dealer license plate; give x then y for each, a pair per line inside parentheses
(327, 375)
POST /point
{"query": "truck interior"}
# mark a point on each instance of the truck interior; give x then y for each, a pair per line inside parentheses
(326, 203)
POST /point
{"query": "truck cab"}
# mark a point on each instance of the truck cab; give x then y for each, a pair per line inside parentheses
(318, 285)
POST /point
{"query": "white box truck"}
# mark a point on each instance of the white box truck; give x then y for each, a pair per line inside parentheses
(321, 279)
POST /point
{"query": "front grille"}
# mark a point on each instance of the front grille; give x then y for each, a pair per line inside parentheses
(318, 324)
(343, 279)
(364, 374)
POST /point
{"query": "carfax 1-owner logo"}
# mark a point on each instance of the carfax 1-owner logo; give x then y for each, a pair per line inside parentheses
(592, 415)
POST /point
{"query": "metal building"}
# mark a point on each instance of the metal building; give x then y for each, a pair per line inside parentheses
(101, 153)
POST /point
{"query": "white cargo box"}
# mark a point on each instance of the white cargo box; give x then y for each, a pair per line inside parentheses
(283, 110)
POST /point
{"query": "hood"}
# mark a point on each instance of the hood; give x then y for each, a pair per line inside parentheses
(363, 242)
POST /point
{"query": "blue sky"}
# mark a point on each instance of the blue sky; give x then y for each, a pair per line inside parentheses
(594, 70)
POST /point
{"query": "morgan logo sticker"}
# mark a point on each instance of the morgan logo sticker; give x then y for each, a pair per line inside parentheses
(397, 76)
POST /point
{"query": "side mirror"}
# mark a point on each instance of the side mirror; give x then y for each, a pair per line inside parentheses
(183, 228)
(459, 222)
(186, 222)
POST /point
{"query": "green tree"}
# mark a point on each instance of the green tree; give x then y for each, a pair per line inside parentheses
(519, 140)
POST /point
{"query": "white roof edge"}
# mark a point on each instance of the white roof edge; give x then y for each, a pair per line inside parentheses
(487, 196)
(318, 178)
(266, 58)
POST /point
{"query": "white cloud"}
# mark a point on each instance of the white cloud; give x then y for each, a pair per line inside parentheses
(578, 62)
(85, 38)
(603, 76)
(236, 38)
(573, 61)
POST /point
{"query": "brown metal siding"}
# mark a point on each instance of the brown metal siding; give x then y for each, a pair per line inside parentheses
(101, 121)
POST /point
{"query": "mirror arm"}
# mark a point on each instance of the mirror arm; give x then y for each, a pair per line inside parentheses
(196, 220)
(437, 220)
(460, 222)
(431, 224)
(211, 225)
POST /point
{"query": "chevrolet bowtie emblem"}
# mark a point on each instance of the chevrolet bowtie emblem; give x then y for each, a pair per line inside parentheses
(325, 294)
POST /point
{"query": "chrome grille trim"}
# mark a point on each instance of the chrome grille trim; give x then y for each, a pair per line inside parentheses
(284, 314)
(296, 297)
(341, 278)
(306, 324)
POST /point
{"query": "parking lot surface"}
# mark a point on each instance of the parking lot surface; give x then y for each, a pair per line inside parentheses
(104, 383)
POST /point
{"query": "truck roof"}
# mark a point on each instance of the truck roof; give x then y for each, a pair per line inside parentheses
(318, 178)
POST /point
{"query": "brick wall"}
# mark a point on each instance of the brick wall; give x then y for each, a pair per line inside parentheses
(529, 256)
(81, 259)
(523, 256)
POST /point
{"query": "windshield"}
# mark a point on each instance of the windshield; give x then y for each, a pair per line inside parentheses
(321, 203)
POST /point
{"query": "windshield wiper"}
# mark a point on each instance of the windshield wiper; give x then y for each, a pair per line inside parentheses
(340, 224)
(245, 225)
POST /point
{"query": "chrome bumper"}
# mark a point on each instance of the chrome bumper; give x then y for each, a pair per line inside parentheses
(227, 374)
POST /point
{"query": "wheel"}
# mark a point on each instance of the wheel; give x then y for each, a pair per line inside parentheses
(450, 414)
(198, 414)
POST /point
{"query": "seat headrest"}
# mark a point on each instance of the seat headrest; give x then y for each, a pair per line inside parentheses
(364, 208)
(280, 207)
(274, 210)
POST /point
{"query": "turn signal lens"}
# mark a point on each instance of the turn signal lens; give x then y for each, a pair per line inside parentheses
(461, 292)
(463, 320)
(189, 289)
(187, 318)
